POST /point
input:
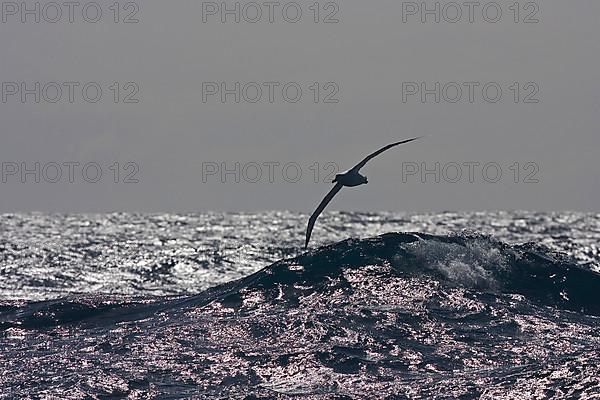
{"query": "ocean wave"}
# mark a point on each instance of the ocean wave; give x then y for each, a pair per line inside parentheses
(470, 261)
(344, 271)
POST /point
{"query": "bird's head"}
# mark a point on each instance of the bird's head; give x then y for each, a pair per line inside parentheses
(365, 180)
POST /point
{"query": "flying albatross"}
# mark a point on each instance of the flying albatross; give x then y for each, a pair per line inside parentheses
(350, 178)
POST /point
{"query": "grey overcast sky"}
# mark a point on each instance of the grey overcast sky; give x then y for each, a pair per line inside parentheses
(362, 80)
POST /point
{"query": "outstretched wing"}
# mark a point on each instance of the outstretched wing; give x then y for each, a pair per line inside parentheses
(319, 210)
(361, 164)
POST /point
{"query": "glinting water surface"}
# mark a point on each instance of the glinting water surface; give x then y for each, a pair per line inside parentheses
(385, 306)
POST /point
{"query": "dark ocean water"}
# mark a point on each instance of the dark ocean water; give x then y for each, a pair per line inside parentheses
(227, 306)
